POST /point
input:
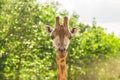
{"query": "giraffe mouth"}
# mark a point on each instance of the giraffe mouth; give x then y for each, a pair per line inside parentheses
(61, 53)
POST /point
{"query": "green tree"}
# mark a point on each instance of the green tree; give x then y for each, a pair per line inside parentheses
(23, 41)
(89, 49)
(26, 52)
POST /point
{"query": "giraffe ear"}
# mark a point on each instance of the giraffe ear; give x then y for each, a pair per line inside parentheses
(74, 30)
(48, 29)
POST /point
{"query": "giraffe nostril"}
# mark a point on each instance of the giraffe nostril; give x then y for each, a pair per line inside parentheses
(61, 49)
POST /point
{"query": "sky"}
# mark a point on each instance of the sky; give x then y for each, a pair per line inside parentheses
(106, 12)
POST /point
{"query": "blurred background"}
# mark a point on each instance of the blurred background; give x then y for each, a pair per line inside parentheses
(26, 51)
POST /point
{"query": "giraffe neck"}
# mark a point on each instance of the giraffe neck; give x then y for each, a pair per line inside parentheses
(61, 66)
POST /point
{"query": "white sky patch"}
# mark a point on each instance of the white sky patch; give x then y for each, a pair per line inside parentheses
(106, 12)
(111, 27)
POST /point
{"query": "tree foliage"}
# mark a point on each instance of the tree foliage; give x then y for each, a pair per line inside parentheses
(26, 51)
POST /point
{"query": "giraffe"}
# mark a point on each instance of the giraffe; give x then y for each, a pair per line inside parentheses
(61, 36)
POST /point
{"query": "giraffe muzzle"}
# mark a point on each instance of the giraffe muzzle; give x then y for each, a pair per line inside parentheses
(61, 49)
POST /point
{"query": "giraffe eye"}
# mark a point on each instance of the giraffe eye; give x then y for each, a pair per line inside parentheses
(70, 37)
(52, 37)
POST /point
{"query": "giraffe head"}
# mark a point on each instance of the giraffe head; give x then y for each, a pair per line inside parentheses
(61, 35)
